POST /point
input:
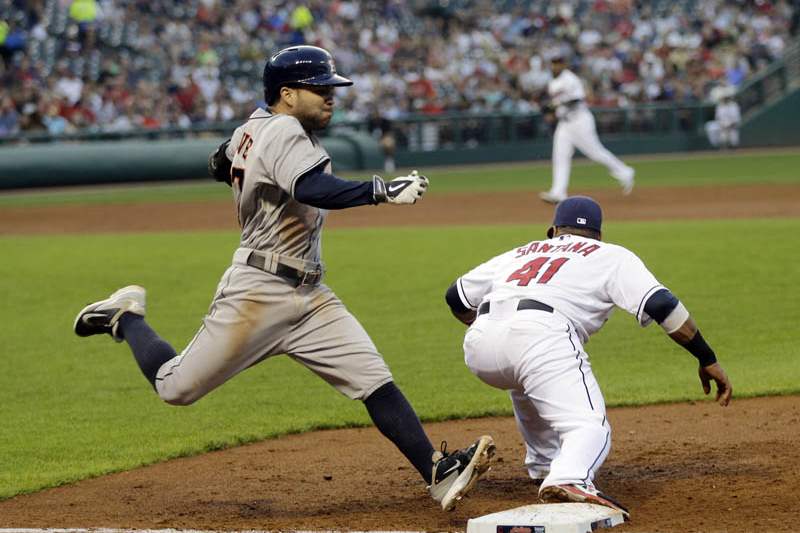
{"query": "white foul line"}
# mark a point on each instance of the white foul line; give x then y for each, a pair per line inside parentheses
(132, 530)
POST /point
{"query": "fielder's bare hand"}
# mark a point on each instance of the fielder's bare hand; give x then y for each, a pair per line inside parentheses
(717, 374)
(402, 190)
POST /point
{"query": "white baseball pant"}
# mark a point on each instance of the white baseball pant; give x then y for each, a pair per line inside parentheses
(559, 408)
(577, 130)
(719, 135)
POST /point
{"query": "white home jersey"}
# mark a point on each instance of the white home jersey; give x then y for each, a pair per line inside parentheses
(727, 114)
(581, 278)
(565, 88)
(268, 153)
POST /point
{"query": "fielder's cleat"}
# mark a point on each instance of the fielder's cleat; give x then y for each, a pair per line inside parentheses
(551, 198)
(627, 182)
(581, 494)
(103, 316)
(455, 474)
(627, 188)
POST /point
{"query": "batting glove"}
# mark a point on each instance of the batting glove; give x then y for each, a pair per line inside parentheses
(402, 190)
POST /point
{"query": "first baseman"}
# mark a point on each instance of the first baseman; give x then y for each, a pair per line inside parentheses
(576, 129)
(531, 311)
(271, 300)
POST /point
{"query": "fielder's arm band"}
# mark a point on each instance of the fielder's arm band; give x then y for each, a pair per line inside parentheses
(325, 191)
(666, 310)
(454, 300)
(699, 348)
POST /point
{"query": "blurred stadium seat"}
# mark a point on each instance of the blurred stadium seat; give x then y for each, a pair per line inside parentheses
(177, 64)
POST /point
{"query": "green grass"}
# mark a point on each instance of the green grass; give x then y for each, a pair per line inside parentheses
(688, 170)
(73, 408)
(192, 191)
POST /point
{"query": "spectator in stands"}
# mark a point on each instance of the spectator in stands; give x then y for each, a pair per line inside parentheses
(55, 123)
(84, 13)
(68, 85)
(12, 40)
(380, 127)
(473, 55)
(5, 53)
(9, 118)
(30, 120)
(220, 109)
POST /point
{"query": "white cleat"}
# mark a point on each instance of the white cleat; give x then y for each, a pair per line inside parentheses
(627, 182)
(103, 316)
(551, 198)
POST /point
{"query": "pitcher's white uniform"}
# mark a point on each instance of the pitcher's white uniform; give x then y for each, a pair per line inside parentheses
(576, 129)
(538, 355)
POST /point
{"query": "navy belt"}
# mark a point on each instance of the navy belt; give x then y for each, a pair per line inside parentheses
(292, 275)
(522, 305)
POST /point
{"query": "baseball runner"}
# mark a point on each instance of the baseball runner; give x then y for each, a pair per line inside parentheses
(532, 309)
(271, 300)
(575, 129)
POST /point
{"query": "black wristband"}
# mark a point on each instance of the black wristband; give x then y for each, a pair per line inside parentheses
(379, 194)
(699, 348)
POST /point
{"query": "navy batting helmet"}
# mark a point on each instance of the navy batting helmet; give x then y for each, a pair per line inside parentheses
(300, 65)
(577, 212)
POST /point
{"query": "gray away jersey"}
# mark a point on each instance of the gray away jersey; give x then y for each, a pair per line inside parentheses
(268, 153)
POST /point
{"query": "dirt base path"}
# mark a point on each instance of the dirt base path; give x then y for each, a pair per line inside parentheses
(514, 207)
(680, 468)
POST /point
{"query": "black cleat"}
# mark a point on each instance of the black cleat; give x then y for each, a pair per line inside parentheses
(455, 474)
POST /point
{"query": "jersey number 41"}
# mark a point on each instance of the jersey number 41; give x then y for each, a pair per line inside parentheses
(531, 270)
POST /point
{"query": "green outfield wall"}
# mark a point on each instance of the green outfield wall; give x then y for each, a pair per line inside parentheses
(91, 162)
(778, 124)
(640, 143)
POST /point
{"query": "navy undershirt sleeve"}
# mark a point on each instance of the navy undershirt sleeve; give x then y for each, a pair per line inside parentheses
(453, 300)
(325, 191)
(660, 305)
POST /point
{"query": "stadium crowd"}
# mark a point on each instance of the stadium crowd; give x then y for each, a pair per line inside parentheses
(116, 65)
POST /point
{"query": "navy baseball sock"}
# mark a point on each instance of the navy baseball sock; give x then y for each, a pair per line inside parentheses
(396, 419)
(149, 350)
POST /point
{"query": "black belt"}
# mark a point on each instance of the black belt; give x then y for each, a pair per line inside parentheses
(525, 303)
(294, 276)
(573, 103)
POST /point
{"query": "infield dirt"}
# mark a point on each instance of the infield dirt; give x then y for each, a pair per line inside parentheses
(512, 207)
(689, 467)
